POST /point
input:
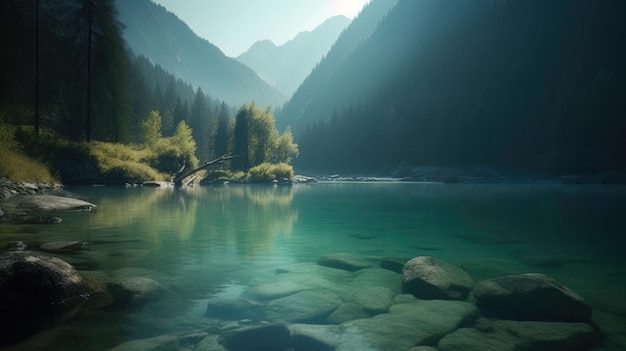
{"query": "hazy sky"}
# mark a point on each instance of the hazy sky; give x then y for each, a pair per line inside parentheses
(234, 25)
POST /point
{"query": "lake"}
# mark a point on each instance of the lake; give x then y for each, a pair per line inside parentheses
(204, 242)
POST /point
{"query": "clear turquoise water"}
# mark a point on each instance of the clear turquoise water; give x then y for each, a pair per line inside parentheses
(204, 241)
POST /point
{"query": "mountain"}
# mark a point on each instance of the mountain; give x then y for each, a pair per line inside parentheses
(286, 66)
(162, 37)
(359, 30)
(535, 85)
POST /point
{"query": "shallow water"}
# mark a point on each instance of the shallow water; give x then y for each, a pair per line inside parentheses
(215, 241)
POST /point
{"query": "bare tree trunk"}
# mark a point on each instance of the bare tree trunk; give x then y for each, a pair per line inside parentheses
(178, 180)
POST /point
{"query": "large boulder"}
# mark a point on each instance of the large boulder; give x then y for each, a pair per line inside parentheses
(427, 277)
(530, 296)
(37, 290)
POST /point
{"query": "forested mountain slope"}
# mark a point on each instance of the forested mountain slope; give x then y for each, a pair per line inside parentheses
(519, 84)
(162, 37)
(287, 65)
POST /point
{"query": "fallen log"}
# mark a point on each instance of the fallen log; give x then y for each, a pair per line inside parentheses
(178, 179)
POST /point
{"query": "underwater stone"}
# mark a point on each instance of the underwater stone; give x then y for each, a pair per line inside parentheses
(502, 335)
(307, 307)
(133, 290)
(406, 325)
(347, 312)
(160, 343)
(393, 264)
(269, 337)
(427, 277)
(530, 296)
(375, 300)
(343, 261)
(314, 337)
(230, 308)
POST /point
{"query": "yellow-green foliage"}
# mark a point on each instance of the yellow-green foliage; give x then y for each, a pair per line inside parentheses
(151, 128)
(269, 171)
(15, 164)
(123, 161)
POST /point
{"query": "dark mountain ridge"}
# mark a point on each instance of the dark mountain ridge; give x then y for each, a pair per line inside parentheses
(517, 84)
(162, 37)
(293, 113)
(287, 65)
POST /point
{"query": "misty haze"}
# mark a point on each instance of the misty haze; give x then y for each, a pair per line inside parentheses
(313, 175)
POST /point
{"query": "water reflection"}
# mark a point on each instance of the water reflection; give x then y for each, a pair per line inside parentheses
(245, 217)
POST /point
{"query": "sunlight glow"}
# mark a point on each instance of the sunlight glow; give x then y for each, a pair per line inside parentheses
(349, 8)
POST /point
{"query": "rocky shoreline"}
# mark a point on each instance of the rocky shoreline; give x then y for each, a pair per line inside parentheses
(33, 203)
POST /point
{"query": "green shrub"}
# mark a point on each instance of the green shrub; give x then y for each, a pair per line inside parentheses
(123, 162)
(267, 172)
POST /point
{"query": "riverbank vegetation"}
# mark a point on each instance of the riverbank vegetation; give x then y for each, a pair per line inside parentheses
(47, 157)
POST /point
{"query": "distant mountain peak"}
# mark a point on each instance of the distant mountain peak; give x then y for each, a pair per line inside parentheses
(164, 39)
(287, 65)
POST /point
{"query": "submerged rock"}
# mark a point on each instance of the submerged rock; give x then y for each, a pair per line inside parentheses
(17, 246)
(530, 296)
(230, 308)
(343, 261)
(158, 343)
(281, 288)
(427, 277)
(306, 307)
(347, 312)
(504, 335)
(393, 264)
(406, 325)
(375, 299)
(133, 290)
(37, 290)
(134, 285)
(314, 337)
(268, 337)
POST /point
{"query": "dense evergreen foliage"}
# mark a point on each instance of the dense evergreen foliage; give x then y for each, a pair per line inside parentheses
(519, 84)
